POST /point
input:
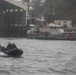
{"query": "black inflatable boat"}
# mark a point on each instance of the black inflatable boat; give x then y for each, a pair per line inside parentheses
(15, 52)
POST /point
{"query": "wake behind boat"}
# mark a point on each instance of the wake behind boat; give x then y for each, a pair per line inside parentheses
(3, 54)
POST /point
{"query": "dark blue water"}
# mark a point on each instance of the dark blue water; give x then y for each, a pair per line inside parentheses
(41, 57)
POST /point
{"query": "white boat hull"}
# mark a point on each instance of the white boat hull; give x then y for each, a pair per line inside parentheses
(64, 36)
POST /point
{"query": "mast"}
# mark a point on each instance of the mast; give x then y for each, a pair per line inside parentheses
(53, 13)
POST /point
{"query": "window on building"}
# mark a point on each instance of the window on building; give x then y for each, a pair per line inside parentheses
(16, 10)
(6, 10)
(16, 25)
(21, 10)
(65, 24)
(3, 11)
(11, 10)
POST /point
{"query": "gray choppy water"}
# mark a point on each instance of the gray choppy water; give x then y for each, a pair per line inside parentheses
(41, 57)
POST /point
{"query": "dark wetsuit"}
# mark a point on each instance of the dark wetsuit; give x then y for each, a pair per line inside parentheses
(14, 46)
(9, 46)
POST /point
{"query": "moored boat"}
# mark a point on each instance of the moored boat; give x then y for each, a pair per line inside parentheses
(32, 32)
(54, 32)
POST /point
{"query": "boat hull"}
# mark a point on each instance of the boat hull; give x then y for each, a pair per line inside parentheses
(64, 36)
(14, 52)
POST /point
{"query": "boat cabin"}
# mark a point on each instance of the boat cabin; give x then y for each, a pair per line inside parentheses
(52, 29)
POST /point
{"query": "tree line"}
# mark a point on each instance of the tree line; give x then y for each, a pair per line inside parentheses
(59, 8)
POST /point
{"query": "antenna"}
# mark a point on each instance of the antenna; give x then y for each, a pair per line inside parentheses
(53, 12)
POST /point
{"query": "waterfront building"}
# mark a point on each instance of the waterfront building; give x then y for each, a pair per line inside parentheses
(12, 18)
(64, 23)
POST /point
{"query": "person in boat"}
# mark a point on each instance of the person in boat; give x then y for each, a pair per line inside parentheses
(2, 49)
(9, 46)
(14, 46)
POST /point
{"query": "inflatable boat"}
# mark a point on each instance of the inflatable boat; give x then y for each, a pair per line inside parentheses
(15, 52)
